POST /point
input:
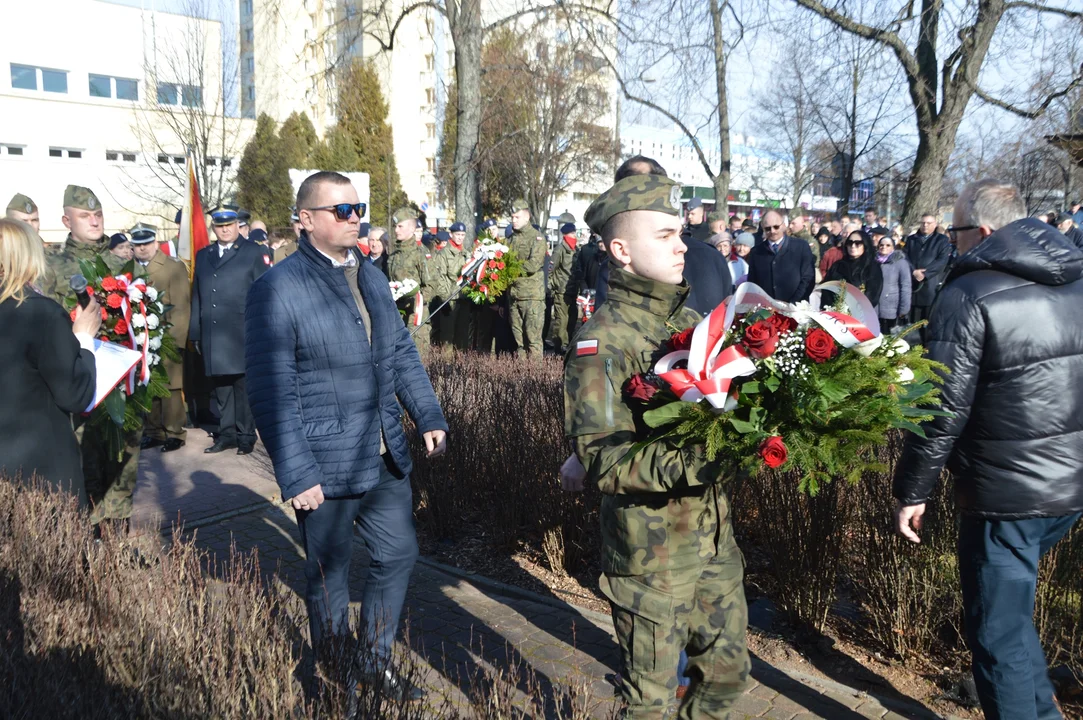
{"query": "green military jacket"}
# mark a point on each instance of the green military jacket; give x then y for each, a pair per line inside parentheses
(61, 266)
(658, 511)
(410, 261)
(446, 265)
(560, 272)
(529, 246)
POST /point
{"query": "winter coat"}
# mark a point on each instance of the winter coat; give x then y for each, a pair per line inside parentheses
(321, 391)
(46, 378)
(895, 297)
(863, 273)
(788, 276)
(1008, 327)
(708, 275)
(931, 253)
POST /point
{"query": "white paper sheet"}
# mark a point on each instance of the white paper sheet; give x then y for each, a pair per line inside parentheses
(112, 362)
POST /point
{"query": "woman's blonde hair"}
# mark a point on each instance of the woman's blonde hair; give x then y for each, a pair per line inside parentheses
(22, 259)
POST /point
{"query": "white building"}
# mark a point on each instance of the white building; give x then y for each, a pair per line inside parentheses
(102, 104)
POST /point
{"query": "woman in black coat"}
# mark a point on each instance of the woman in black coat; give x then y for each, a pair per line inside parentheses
(858, 267)
(46, 372)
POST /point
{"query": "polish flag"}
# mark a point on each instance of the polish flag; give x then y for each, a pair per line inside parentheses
(193, 227)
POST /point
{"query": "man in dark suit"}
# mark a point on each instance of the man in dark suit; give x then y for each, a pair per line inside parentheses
(329, 362)
(928, 252)
(783, 266)
(223, 274)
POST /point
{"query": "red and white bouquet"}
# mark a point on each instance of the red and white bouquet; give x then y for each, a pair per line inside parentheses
(776, 384)
(491, 270)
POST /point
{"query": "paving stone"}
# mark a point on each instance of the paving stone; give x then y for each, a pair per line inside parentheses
(752, 705)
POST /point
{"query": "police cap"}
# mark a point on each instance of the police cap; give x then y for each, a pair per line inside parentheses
(223, 215)
(142, 234)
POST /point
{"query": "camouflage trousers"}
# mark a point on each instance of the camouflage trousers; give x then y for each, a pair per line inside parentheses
(422, 338)
(166, 419)
(110, 481)
(698, 609)
(454, 327)
(527, 321)
(560, 328)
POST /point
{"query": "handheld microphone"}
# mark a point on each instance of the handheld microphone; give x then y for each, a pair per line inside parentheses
(78, 285)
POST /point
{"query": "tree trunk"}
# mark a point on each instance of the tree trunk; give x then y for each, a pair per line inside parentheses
(722, 178)
(466, 34)
(923, 188)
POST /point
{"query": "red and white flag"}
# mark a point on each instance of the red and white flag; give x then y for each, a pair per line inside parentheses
(193, 227)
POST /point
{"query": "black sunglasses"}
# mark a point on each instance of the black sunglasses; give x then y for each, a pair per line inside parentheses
(343, 211)
(855, 243)
(953, 232)
(772, 227)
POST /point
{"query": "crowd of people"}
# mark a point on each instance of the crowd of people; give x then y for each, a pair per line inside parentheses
(301, 343)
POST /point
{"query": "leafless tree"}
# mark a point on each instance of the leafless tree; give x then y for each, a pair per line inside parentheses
(941, 49)
(191, 79)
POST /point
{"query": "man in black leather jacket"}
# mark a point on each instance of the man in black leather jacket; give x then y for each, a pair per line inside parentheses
(1007, 324)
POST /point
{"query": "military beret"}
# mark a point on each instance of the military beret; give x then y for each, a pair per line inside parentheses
(519, 204)
(243, 216)
(177, 219)
(508, 230)
(567, 228)
(223, 215)
(656, 193)
(695, 203)
(457, 227)
(117, 239)
(486, 224)
(142, 234)
(404, 213)
(443, 236)
(1061, 218)
(81, 198)
(565, 218)
(21, 203)
(879, 231)
(363, 230)
(258, 235)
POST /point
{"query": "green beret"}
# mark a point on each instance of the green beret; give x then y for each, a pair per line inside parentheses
(656, 193)
(81, 198)
(404, 213)
(519, 204)
(21, 203)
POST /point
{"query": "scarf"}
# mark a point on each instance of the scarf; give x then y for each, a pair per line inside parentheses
(571, 240)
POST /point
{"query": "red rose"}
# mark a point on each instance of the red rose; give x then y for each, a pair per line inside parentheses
(761, 338)
(121, 328)
(500, 265)
(73, 314)
(113, 301)
(638, 388)
(484, 288)
(782, 324)
(129, 276)
(681, 340)
(820, 346)
(499, 254)
(773, 451)
(109, 284)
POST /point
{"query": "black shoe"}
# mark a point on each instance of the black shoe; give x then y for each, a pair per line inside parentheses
(220, 446)
(245, 449)
(149, 442)
(394, 686)
(172, 444)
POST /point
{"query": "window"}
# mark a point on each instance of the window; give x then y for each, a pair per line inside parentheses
(56, 152)
(250, 64)
(430, 96)
(192, 96)
(178, 159)
(247, 5)
(55, 81)
(60, 152)
(127, 89)
(430, 164)
(167, 94)
(430, 63)
(430, 129)
(248, 35)
(163, 158)
(226, 162)
(128, 157)
(111, 156)
(15, 150)
(211, 162)
(24, 77)
(101, 86)
(252, 93)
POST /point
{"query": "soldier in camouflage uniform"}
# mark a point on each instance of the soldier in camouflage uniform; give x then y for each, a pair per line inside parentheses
(671, 568)
(411, 261)
(110, 480)
(454, 327)
(528, 290)
(24, 209)
(560, 274)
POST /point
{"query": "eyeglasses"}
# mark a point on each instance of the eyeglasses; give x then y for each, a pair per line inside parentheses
(772, 227)
(343, 211)
(953, 232)
(855, 243)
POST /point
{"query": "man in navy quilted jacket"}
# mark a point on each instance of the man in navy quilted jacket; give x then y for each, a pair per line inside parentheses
(329, 362)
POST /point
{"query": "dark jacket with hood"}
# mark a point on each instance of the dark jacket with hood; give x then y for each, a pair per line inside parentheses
(932, 253)
(862, 272)
(1007, 324)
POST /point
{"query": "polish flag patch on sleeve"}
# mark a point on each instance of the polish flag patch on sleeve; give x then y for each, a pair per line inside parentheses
(583, 348)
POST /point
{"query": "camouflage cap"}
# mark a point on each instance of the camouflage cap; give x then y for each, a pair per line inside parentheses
(656, 193)
(404, 213)
(81, 198)
(141, 234)
(519, 204)
(21, 203)
(716, 216)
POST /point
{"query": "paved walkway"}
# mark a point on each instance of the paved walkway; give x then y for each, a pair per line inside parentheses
(458, 625)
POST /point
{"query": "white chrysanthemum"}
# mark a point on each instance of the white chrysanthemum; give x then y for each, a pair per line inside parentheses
(152, 321)
(141, 339)
(138, 320)
(151, 294)
(153, 359)
(905, 375)
(155, 343)
(134, 294)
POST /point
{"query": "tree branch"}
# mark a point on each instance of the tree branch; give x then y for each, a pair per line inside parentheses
(1037, 111)
(1041, 7)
